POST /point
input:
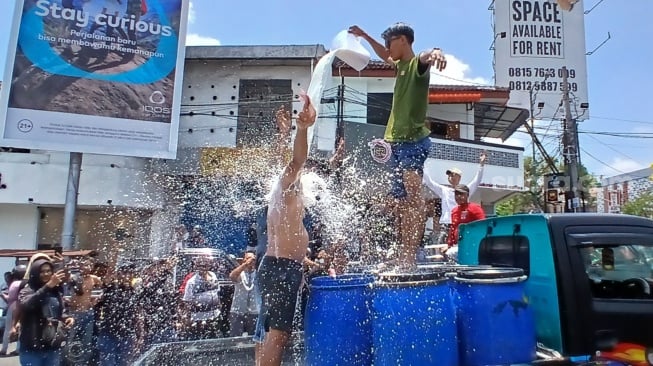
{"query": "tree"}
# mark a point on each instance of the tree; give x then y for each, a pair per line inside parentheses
(529, 200)
(640, 206)
(533, 198)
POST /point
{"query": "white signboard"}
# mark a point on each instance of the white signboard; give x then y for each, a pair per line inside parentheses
(534, 39)
(96, 76)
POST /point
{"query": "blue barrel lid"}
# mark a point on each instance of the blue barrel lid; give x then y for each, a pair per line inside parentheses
(342, 280)
(490, 273)
(431, 275)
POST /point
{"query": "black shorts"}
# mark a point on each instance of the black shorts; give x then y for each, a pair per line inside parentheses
(279, 280)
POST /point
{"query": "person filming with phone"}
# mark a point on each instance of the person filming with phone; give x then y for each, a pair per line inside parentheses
(44, 325)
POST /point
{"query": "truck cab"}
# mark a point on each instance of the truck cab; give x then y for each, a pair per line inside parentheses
(589, 276)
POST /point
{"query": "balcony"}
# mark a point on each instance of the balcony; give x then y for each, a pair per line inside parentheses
(503, 173)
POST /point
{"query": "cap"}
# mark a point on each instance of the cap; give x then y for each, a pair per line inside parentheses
(461, 188)
(454, 171)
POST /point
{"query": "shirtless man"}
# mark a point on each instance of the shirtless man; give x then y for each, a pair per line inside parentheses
(280, 273)
(81, 306)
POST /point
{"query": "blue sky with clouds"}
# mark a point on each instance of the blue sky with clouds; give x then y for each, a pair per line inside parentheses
(619, 73)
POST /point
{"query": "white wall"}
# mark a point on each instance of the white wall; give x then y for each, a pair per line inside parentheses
(356, 90)
(456, 113)
(18, 225)
(43, 176)
(219, 79)
(356, 93)
(363, 85)
(499, 181)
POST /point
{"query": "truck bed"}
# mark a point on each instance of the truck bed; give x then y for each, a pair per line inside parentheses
(234, 351)
(239, 351)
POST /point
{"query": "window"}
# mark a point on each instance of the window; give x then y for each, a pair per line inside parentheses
(378, 108)
(505, 251)
(619, 270)
(14, 150)
(438, 129)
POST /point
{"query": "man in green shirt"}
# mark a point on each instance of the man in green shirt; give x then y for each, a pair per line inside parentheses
(406, 131)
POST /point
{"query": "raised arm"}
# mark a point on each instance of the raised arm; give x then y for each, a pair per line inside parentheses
(339, 156)
(30, 299)
(473, 185)
(305, 119)
(378, 48)
(281, 145)
(437, 188)
(234, 276)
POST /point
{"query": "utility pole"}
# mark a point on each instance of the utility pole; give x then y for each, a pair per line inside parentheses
(70, 209)
(340, 121)
(533, 165)
(570, 147)
(533, 168)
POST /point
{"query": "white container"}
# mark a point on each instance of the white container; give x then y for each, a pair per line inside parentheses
(348, 48)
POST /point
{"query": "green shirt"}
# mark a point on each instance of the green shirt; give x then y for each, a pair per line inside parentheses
(409, 104)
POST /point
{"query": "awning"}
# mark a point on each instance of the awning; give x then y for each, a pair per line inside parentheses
(454, 97)
(26, 253)
(497, 121)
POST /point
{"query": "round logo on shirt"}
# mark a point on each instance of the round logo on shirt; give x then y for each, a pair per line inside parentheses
(380, 150)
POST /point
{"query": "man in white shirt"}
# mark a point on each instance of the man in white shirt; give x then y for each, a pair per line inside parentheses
(447, 193)
(202, 299)
(245, 305)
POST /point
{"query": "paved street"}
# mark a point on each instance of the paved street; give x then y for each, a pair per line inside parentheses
(10, 361)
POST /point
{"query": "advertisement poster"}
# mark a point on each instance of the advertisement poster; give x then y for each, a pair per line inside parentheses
(534, 39)
(95, 76)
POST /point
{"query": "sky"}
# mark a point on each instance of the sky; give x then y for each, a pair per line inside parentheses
(618, 73)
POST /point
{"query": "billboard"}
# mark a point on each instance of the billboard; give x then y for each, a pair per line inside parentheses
(534, 39)
(95, 76)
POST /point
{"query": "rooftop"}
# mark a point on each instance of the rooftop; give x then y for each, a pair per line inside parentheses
(492, 118)
(645, 173)
(307, 52)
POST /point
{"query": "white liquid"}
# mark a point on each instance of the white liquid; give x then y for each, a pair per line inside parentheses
(352, 53)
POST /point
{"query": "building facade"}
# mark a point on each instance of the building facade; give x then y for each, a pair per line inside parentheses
(618, 190)
(129, 206)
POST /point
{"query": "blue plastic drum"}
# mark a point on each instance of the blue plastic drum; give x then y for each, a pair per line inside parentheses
(495, 321)
(414, 321)
(338, 325)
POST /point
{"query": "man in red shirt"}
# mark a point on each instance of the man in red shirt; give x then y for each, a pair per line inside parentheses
(464, 213)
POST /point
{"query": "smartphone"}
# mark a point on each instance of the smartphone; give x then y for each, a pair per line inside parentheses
(58, 250)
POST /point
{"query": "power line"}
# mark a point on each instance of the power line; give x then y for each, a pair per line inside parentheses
(621, 120)
(601, 161)
(609, 147)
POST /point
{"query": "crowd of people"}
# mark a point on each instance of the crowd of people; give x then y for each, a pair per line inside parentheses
(75, 311)
(78, 311)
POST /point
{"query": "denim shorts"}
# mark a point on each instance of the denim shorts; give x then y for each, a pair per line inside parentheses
(407, 156)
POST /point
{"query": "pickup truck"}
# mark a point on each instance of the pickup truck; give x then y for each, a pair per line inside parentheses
(589, 278)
